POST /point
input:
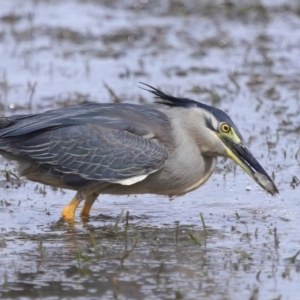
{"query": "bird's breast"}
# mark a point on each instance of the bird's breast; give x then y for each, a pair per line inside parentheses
(181, 178)
(198, 179)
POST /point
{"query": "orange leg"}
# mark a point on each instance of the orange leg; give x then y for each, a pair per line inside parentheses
(88, 205)
(68, 212)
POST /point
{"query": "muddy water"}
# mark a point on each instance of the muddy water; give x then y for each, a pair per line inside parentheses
(242, 58)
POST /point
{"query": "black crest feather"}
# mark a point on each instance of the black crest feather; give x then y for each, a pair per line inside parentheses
(170, 100)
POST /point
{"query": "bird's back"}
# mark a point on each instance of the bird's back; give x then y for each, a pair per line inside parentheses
(86, 144)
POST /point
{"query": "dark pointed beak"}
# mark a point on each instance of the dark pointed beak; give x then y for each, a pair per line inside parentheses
(244, 158)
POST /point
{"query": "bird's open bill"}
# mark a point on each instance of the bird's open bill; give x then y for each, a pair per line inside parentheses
(244, 158)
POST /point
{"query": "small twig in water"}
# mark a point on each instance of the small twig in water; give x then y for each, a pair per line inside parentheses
(119, 218)
(128, 252)
(127, 218)
(276, 240)
(115, 98)
(195, 239)
(31, 88)
(292, 259)
(204, 226)
(96, 248)
(258, 274)
(177, 232)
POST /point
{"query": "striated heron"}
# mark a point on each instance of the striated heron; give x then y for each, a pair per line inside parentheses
(126, 148)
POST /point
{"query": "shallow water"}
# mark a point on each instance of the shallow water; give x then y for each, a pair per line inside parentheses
(242, 58)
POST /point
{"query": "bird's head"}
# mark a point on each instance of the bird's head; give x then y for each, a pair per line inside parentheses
(220, 136)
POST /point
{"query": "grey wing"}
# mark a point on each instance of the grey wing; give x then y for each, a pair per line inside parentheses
(87, 153)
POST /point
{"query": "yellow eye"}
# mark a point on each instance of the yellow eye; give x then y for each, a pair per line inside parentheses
(225, 127)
